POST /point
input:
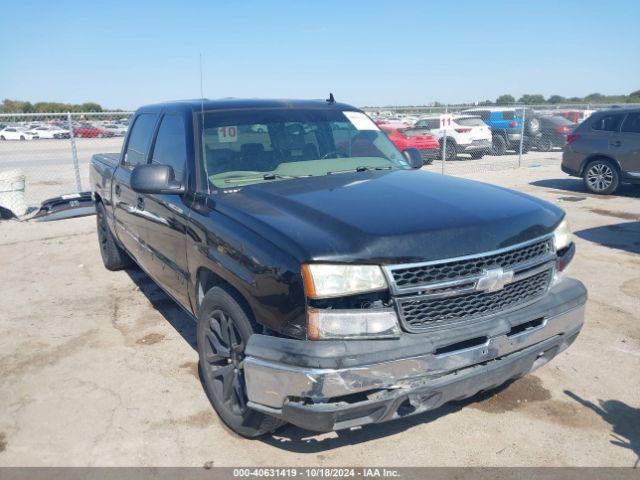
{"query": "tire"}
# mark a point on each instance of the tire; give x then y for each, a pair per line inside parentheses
(531, 126)
(223, 331)
(22, 138)
(452, 150)
(545, 144)
(601, 176)
(113, 256)
(478, 155)
(424, 162)
(2, 138)
(498, 145)
(526, 146)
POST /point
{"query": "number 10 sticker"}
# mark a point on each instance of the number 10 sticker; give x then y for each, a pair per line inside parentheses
(228, 134)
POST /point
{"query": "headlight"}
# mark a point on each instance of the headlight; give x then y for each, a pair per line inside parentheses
(562, 236)
(336, 324)
(330, 280)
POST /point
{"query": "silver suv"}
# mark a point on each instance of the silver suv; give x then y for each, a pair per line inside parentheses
(605, 150)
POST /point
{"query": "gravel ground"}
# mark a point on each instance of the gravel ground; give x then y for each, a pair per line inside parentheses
(98, 368)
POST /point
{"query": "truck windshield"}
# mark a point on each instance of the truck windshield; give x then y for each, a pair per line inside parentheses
(260, 145)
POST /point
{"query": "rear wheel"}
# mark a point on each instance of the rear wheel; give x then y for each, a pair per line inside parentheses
(601, 176)
(22, 137)
(477, 155)
(545, 144)
(451, 152)
(498, 145)
(113, 256)
(223, 332)
(2, 138)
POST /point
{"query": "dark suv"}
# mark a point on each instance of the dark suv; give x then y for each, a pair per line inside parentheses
(605, 150)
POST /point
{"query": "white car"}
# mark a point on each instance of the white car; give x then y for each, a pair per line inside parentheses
(17, 133)
(51, 131)
(467, 134)
(114, 129)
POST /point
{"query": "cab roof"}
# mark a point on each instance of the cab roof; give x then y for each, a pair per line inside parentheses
(195, 105)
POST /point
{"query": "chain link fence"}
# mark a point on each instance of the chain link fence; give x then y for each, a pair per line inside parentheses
(53, 150)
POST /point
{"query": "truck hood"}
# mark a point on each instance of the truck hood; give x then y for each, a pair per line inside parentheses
(387, 216)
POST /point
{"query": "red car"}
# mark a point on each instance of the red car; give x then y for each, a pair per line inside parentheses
(404, 137)
(86, 130)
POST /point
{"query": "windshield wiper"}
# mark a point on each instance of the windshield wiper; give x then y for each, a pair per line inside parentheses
(266, 176)
(359, 169)
(273, 176)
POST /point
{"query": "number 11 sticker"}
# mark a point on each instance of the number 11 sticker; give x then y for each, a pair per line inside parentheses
(228, 134)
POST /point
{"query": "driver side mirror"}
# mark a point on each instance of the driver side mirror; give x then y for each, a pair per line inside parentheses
(155, 179)
(414, 157)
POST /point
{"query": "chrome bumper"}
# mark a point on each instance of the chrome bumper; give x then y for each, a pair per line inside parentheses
(270, 384)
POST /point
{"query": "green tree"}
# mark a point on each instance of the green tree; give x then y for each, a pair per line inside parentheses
(532, 99)
(505, 99)
(555, 99)
(595, 98)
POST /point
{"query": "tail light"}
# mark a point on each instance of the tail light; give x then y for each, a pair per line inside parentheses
(513, 124)
(463, 130)
(562, 129)
(572, 137)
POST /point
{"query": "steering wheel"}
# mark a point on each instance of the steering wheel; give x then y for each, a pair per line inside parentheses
(335, 153)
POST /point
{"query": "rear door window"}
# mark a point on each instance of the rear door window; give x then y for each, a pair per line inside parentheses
(631, 124)
(607, 123)
(171, 145)
(139, 139)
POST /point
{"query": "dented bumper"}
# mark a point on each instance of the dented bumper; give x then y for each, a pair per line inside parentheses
(329, 385)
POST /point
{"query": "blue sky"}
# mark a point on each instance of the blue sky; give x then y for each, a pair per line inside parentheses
(127, 53)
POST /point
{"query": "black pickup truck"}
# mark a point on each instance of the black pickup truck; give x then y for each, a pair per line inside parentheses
(334, 283)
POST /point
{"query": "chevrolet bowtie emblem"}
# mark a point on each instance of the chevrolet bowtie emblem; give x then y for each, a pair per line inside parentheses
(493, 280)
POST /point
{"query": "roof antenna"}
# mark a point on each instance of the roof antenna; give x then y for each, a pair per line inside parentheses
(202, 114)
(331, 99)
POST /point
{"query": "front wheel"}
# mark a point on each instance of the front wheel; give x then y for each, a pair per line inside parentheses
(2, 138)
(477, 155)
(498, 145)
(223, 332)
(601, 176)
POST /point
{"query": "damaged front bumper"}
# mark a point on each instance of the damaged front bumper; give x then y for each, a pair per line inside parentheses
(331, 385)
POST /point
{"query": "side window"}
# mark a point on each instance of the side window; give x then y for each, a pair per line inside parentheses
(631, 123)
(139, 139)
(508, 115)
(608, 123)
(171, 145)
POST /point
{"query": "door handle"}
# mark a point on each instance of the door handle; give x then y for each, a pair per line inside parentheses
(617, 143)
(118, 190)
(140, 203)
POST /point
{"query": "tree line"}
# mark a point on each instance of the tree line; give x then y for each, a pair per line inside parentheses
(537, 99)
(19, 106)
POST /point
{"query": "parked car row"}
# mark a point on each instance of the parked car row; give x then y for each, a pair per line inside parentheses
(492, 130)
(60, 130)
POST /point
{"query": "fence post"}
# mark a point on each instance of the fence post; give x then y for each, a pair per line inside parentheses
(522, 136)
(444, 141)
(74, 153)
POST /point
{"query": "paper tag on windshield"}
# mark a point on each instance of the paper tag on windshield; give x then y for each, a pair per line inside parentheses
(360, 121)
(228, 134)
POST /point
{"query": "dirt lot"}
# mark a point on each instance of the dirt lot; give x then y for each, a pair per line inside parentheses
(99, 368)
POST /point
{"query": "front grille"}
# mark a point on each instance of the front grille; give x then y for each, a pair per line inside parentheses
(412, 277)
(419, 314)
